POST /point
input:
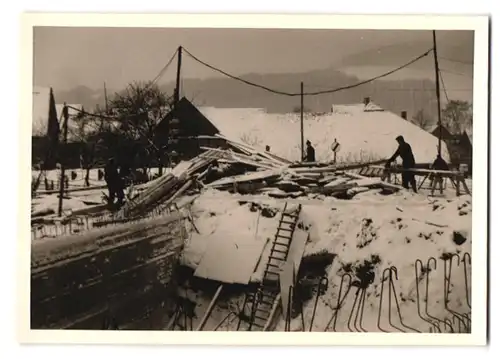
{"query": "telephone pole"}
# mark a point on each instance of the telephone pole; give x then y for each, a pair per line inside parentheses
(178, 78)
(301, 121)
(438, 91)
(61, 160)
(106, 98)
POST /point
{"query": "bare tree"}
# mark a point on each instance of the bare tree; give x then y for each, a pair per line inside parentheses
(457, 116)
(422, 120)
(88, 131)
(140, 107)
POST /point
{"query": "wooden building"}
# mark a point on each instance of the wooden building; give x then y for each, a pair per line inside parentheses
(185, 130)
(459, 147)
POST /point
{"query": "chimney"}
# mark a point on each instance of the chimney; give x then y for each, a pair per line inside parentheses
(404, 115)
(366, 101)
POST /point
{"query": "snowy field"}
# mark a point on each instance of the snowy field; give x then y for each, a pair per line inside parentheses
(366, 234)
(79, 196)
(371, 231)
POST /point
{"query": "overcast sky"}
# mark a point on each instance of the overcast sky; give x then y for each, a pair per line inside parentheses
(68, 57)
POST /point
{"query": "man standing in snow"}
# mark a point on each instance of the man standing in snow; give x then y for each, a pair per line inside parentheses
(405, 152)
(310, 153)
(437, 178)
(113, 181)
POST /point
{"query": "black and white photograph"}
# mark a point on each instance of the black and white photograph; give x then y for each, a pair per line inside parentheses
(194, 179)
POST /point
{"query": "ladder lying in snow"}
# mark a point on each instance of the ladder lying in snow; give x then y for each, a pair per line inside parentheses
(260, 301)
(371, 171)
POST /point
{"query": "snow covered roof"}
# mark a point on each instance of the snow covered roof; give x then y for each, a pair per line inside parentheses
(364, 132)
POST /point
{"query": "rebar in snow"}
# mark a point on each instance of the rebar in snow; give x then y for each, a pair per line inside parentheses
(226, 319)
(447, 283)
(358, 306)
(340, 301)
(288, 310)
(466, 259)
(417, 283)
(392, 272)
(322, 288)
(444, 322)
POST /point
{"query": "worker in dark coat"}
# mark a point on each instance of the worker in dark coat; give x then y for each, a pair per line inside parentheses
(405, 152)
(310, 152)
(113, 181)
(437, 178)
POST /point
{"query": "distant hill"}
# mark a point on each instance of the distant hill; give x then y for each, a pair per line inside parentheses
(396, 95)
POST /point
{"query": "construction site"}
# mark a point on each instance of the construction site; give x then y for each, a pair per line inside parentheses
(236, 236)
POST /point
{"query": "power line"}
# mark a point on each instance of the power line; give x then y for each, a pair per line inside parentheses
(371, 79)
(308, 93)
(238, 78)
(164, 69)
(424, 89)
(127, 118)
(444, 87)
(457, 61)
(455, 73)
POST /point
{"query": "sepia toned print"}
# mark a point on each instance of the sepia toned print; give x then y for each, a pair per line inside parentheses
(289, 180)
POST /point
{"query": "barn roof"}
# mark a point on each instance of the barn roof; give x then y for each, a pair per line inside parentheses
(365, 132)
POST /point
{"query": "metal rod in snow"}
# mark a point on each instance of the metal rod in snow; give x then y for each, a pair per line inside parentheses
(438, 91)
(209, 309)
(61, 181)
(301, 121)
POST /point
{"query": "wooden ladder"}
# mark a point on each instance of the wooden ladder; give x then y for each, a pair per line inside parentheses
(262, 299)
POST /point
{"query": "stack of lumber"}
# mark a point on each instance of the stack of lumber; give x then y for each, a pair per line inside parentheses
(168, 185)
(281, 179)
(123, 271)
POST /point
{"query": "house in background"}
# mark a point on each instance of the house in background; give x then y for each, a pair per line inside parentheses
(185, 129)
(459, 147)
(40, 120)
(365, 131)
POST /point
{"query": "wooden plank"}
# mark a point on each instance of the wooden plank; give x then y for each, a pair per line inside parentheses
(419, 170)
(209, 309)
(240, 254)
(272, 315)
(250, 149)
(338, 168)
(70, 190)
(287, 281)
(254, 176)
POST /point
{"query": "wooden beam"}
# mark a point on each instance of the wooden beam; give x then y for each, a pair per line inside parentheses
(276, 304)
(209, 309)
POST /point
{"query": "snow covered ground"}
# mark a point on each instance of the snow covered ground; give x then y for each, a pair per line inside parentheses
(387, 231)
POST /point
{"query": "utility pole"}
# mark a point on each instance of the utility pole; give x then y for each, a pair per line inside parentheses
(301, 121)
(178, 78)
(61, 181)
(106, 98)
(438, 91)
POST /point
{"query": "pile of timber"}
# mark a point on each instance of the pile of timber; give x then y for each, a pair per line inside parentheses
(169, 186)
(121, 273)
(279, 178)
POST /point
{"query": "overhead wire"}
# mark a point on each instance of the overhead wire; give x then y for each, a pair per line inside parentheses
(456, 73)
(164, 69)
(457, 61)
(444, 86)
(126, 118)
(306, 93)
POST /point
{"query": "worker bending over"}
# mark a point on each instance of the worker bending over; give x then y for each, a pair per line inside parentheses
(405, 152)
